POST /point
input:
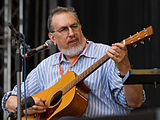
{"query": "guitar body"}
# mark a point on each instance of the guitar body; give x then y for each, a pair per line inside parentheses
(72, 103)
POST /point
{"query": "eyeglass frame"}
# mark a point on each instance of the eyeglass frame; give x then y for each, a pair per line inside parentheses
(62, 31)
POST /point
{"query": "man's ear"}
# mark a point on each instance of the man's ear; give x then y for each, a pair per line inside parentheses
(51, 36)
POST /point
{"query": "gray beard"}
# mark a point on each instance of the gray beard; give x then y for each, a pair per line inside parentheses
(74, 51)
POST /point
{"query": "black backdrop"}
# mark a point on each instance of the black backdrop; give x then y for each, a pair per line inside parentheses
(108, 21)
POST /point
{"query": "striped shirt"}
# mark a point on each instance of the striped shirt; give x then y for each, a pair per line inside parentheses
(106, 96)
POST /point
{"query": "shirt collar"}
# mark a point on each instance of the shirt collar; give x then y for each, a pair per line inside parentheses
(87, 52)
(55, 58)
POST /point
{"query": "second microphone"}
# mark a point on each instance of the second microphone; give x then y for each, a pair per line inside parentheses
(47, 45)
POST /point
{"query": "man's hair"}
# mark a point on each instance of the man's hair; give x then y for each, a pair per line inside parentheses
(59, 10)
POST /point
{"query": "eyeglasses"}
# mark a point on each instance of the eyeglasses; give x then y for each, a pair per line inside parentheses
(65, 30)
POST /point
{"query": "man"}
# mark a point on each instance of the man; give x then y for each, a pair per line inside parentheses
(108, 95)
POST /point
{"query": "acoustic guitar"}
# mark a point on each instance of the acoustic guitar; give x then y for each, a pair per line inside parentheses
(69, 96)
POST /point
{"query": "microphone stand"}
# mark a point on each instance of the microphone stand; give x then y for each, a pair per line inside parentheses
(18, 66)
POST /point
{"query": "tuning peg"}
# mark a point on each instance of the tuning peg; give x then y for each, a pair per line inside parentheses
(134, 45)
(130, 36)
(131, 41)
(149, 39)
(144, 29)
(138, 38)
(146, 34)
(142, 42)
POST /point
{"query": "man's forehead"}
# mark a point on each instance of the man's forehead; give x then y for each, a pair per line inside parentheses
(63, 18)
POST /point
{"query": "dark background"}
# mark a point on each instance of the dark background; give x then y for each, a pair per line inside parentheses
(103, 21)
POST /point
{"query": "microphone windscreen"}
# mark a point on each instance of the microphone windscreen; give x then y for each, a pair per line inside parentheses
(49, 43)
(30, 102)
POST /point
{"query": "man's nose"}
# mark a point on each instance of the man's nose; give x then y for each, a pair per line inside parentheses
(70, 31)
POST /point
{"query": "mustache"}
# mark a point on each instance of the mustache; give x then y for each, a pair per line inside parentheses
(72, 39)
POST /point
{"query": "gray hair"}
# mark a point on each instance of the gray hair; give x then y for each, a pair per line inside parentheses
(58, 10)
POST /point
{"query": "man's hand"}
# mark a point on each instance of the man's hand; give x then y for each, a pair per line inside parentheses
(39, 106)
(118, 52)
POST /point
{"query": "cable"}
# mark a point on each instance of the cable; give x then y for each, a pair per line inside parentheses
(24, 75)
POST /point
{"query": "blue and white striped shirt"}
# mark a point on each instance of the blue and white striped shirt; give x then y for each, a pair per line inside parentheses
(106, 96)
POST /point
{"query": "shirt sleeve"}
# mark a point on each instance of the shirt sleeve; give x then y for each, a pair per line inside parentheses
(4, 99)
(117, 87)
(31, 88)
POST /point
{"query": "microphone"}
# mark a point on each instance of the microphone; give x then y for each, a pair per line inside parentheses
(47, 45)
(17, 34)
(29, 101)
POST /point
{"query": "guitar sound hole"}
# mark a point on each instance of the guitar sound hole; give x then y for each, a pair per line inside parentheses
(56, 98)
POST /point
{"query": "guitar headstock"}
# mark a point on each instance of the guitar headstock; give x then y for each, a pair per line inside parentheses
(139, 36)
